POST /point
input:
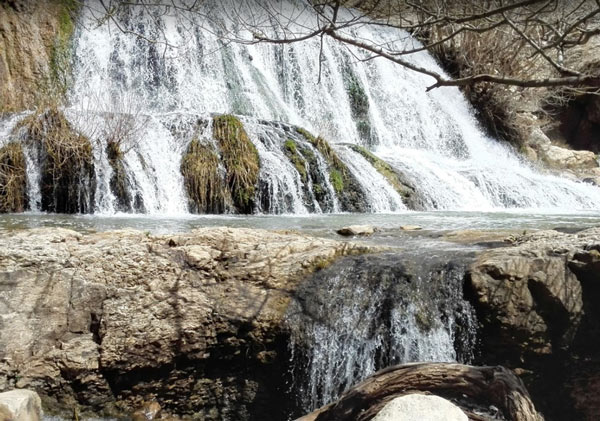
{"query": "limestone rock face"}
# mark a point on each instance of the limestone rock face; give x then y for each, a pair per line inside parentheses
(537, 304)
(20, 405)
(110, 320)
(530, 295)
(558, 157)
(420, 407)
(28, 32)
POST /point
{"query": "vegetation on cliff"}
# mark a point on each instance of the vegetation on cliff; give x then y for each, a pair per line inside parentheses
(241, 161)
(206, 189)
(66, 161)
(347, 188)
(35, 52)
(13, 180)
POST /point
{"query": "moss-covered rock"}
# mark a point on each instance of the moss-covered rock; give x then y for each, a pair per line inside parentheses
(359, 105)
(291, 151)
(13, 180)
(241, 161)
(349, 193)
(207, 191)
(35, 52)
(66, 160)
(403, 188)
(60, 51)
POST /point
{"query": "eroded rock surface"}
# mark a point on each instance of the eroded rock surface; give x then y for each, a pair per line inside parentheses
(109, 320)
(20, 405)
(537, 303)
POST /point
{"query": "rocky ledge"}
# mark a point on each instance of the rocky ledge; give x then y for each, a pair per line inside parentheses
(536, 303)
(100, 322)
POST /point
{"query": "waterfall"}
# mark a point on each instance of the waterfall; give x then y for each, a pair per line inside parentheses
(193, 71)
(366, 313)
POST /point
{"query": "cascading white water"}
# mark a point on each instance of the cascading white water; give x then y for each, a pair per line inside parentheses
(193, 69)
(431, 137)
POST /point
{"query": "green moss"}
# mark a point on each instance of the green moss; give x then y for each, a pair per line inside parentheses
(60, 52)
(241, 161)
(205, 187)
(386, 170)
(338, 171)
(347, 188)
(13, 180)
(337, 180)
(291, 151)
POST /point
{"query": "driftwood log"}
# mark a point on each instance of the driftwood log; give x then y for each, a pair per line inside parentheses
(467, 386)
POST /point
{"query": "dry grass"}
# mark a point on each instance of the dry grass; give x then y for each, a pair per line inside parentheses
(241, 161)
(206, 189)
(67, 162)
(13, 180)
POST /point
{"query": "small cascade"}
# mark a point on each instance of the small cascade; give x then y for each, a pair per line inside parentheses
(381, 196)
(366, 313)
(294, 176)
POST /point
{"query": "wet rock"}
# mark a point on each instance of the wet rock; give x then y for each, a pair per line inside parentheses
(149, 412)
(29, 38)
(20, 405)
(356, 230)
(109, 320)
(420, 407)
(410, 228)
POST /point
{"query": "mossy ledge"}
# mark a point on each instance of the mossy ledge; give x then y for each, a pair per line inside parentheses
(68, 181)
(404, 189)
(206, 189)
(241, 161)
(13, 180)
(347, 189)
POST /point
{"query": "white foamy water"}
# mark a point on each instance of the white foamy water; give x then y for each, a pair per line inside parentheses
(195, 70)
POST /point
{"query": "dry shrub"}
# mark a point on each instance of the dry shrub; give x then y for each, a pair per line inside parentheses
(13, 179)
(68, 178)
(205, 187)
(241, 161)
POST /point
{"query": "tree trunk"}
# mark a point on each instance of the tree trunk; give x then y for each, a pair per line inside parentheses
(468, 387)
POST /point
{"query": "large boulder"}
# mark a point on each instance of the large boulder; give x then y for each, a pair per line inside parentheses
(537, 305)
(420, 407)
(107, 321)
(20, 405)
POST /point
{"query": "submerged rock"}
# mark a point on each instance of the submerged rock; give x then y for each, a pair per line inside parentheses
(20, 405)
(420, 407)
(356, 230)
(410, 228)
